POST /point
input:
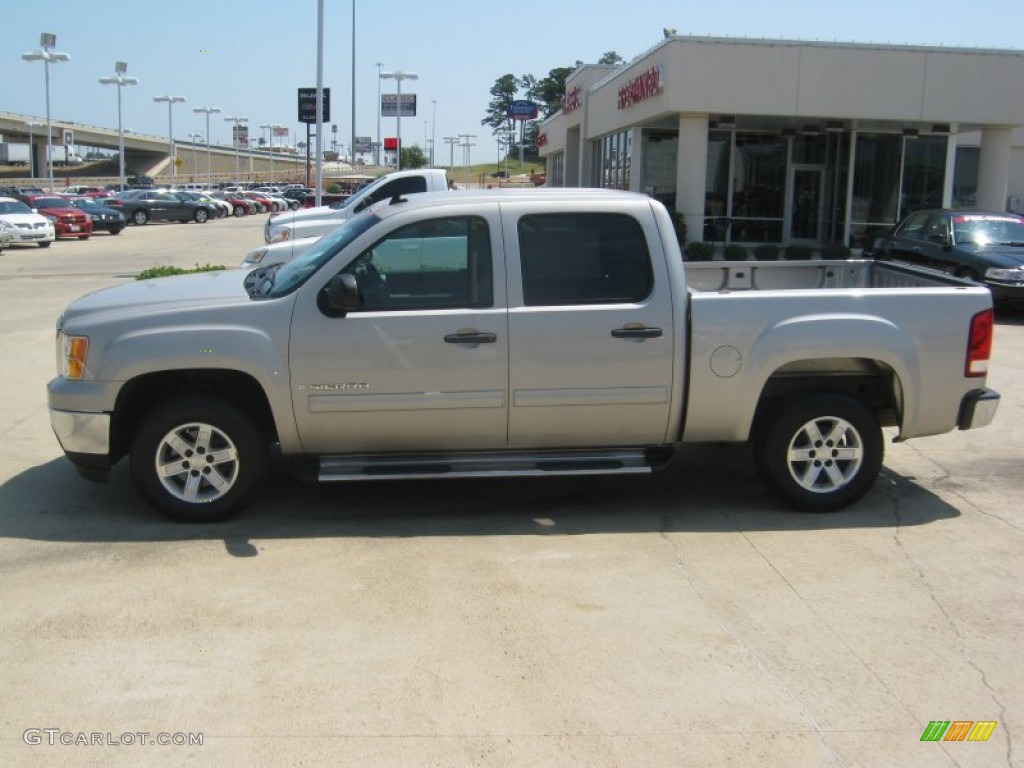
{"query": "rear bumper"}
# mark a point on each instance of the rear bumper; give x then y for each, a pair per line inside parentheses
(978, 408)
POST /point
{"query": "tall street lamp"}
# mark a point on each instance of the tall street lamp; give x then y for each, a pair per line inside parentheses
(398, 76)
(466, 147)
(236, 135)
(171, 100)
(194, 136)
(207, 111)
(270, 127)
(31, 125)
(119, 79)
(433, 131)
(376, 155)
(47, 55)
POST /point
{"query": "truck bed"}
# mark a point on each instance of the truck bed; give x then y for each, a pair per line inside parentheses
(717, 276)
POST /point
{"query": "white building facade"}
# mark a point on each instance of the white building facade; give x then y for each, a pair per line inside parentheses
(790, 142)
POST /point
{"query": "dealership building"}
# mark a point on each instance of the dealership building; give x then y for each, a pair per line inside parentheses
(795, 142)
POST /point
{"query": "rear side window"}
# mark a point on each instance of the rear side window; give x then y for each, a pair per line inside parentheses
(583, 258)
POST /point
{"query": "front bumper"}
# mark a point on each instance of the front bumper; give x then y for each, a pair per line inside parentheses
(85, 438)
(978, 408)
(24, 236)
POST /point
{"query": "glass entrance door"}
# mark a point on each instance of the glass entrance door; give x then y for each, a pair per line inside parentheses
(807, 189)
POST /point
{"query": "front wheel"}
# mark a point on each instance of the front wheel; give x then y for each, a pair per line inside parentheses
(821, 453)
(200, 216)
(239, 211)
(197, 460)
(45, 243)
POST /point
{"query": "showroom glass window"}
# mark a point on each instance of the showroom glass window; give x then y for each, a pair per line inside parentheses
(924, 169)
(556, 170)
(965, 177)
(613, 160)
(759, 187)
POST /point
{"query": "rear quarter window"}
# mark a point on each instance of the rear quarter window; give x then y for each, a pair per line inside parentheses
(583, 258)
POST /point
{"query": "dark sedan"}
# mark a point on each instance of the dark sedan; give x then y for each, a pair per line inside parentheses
(104, 218)
(984, 246)
(155, 205)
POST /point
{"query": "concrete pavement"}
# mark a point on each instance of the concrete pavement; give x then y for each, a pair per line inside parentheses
(684, 620)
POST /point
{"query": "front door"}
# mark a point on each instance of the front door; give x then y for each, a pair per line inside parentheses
(591, 330)
(807, 188)
(423, 366)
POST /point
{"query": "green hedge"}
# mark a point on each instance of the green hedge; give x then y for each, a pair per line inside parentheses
(166, 271)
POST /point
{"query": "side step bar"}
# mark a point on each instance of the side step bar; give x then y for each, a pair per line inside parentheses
(488, 464)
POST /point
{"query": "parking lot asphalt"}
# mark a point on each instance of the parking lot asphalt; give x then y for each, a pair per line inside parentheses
(687, 619)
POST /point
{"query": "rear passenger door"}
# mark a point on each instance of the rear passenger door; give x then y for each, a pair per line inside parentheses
(591, 339)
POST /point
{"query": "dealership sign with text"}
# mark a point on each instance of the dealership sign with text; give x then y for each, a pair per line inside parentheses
(571, 101)
(643, 86)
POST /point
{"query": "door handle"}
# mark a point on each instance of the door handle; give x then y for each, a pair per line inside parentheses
(470, 338)
(637, 333)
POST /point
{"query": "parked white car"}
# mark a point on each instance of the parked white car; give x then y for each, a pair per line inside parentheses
(25, 226)
(277, 253)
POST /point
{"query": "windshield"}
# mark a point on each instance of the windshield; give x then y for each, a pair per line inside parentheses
(51, 202)
(14, 206)
(989, 229)
(290, 276)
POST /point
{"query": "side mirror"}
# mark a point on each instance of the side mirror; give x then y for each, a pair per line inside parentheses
(342, 293)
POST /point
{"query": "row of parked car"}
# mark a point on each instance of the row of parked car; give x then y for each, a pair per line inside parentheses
(30, 215)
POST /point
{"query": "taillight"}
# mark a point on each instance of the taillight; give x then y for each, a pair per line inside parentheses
(979, 344)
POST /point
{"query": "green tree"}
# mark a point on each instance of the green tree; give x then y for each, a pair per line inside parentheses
(413, 157)
(612, 58)
(550, 90)
(503, 93)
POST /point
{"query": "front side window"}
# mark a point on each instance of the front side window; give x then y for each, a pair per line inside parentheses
(583, 258)
(437, 264)
(913, 228)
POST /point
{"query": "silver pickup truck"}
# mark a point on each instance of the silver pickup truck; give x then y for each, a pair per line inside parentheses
(462, 335)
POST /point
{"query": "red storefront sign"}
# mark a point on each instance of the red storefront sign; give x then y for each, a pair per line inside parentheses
(542, 139)
(643, 86)
(571, 101)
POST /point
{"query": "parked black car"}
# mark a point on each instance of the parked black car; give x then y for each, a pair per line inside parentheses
(154, 205)
(984, 246)
(103, 217)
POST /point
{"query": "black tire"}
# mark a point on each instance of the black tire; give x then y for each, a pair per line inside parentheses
(294, 205)
(239, 211)
(824, 474)
(116, 230)
(139, 217)
(45, 243)
(173, 433)
(200, 216)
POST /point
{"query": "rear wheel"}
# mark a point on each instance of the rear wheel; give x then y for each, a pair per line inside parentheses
(197, 459)
(239, 211)
(140, 217)
(820, 453)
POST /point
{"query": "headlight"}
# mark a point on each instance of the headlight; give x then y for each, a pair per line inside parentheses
(71, 354)
(51, 219)
(278, 236)
(1012, 275)
(255, 256)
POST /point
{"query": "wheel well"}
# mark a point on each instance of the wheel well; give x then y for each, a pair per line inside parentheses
(871, 382)
(138, 396)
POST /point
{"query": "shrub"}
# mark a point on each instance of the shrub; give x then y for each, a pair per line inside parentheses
(166, 271)
(797, 252)
(766, 252)
(333, 189)
(698, 251)
(835, 251)
(735, 252)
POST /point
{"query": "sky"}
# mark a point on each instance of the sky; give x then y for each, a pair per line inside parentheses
(248, 57)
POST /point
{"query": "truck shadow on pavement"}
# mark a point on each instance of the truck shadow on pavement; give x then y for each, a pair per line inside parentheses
(710, 489)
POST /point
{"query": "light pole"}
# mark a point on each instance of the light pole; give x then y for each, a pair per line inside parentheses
(398, 76)
(119, 79)
(47, 55)
(270, 127)
(433, 131)
(194, 136)
(376, 155)
(31, 125)
(207, 111)
(466, 145)
(236, 136)
(171, 101)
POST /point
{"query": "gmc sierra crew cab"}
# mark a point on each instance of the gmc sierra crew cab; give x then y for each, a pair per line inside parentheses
(528, 334)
